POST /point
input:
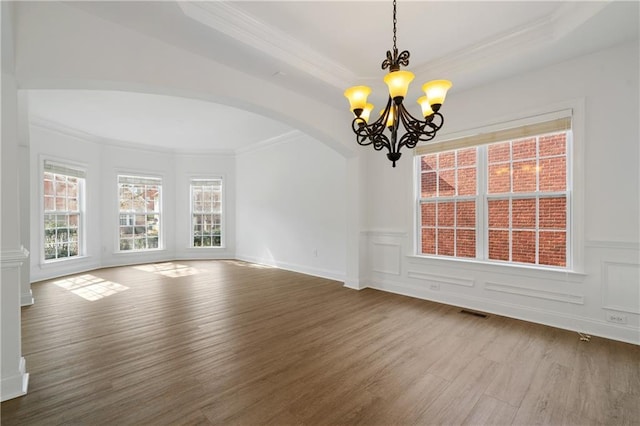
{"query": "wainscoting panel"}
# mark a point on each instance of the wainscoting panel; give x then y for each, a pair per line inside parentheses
(386, 258)
(441, 279)
(621, 287)
(534, 292)
(585, 300)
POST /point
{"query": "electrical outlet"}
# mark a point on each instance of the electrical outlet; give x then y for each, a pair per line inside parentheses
(617, 318)
(315, 252)
(434, 286)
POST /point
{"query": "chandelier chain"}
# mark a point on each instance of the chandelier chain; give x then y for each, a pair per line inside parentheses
(394, 26)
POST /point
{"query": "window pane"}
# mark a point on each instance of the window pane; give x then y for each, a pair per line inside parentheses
(428, 214)
(553, 248)
(553, 174)
(466, 243)
(553, 145)
(446, 242)
(445, 214)
(499, 178)
(153, 242)
(49, 203)
(429, 162)
(553, 213)
(523, 213)
(524, 176)
(499, 152)
(61, 203)
(466, 214)
(467, 157)
(523, 247)
(524, 149)
(428, 241)
(429, 185)
(498, 214)
(72, 204)
(72, 189)
(498, 245)
(467, 181)
(48, 184)
(446, 160)
(446, 183)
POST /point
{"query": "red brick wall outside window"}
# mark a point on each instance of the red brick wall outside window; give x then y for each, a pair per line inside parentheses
(521, 206)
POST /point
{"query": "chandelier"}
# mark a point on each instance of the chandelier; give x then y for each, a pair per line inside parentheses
(395, 113)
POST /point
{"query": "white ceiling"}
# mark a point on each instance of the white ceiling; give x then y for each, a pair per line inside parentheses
(319, 48)
(165, 122)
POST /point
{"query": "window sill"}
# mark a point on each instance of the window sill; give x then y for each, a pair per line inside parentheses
(120, 252)
(205, 248)
(44, 264)
(499, 268)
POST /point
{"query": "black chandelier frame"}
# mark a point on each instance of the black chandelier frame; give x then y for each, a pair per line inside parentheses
(416, 130)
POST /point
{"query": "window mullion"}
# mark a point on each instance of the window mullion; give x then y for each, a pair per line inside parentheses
(482, 220)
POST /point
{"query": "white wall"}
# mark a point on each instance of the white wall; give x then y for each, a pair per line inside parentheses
(103, 161)
(603, 88)
(291, 207)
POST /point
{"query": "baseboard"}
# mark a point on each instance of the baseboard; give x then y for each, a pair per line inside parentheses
(303, 269)
(16, 385)
(26, 299)
(355, 284)
(546, 317)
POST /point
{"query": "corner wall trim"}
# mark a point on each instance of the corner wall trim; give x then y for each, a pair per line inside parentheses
(14, 258)
(16, 385)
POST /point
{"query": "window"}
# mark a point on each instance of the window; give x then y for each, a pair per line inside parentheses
(206, 212)
(63, 192)
(139, 199)
(501, 197)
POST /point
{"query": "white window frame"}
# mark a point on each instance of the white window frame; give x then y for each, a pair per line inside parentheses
(573, 110)
(143, 179)
(204, 180)
(64, 168)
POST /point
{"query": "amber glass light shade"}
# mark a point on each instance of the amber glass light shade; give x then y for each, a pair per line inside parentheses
(398, 82)
(436, 91)
(357, 96)
(426, 108)
(366, 112)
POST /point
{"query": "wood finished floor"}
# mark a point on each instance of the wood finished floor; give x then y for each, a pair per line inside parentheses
(226, 342)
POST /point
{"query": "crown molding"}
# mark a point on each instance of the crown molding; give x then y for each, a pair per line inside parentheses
(268, 143)
(54, 126)
(229, 19)
(510, 43)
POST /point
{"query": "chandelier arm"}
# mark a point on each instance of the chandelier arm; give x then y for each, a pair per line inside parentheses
(418, 130)
(367, 134)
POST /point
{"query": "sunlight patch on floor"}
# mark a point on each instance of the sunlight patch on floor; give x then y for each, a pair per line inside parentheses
(90, 287)
(169, 269)
(250, 265)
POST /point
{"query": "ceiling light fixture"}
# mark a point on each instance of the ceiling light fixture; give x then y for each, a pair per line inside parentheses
(395, 113)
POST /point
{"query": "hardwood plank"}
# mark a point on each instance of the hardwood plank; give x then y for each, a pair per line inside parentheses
(545, 400)
(228, 342)
(490, 411)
